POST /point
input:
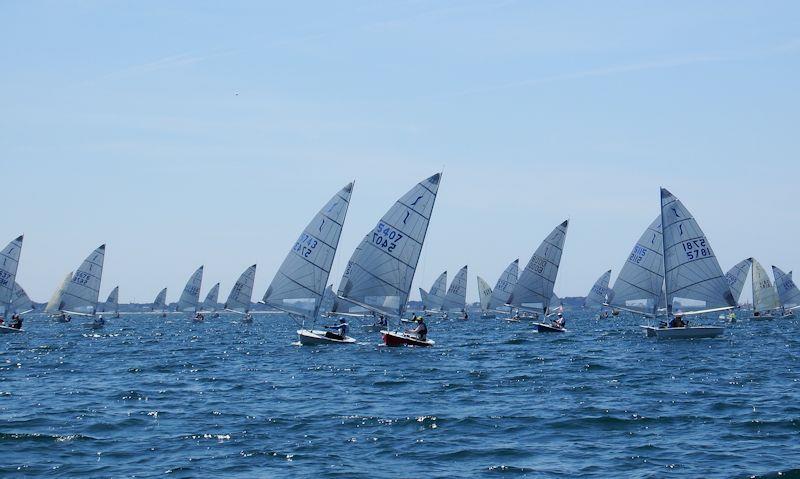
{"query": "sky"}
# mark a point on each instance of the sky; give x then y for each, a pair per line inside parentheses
(185, 133)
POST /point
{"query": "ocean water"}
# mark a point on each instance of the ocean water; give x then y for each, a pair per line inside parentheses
(153, 397)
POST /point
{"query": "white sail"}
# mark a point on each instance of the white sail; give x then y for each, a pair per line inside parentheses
(242, 292)
(212, 298)
(83, 290)
(9, 260)
(693, 276)
(161, 300)
(484, 294)
(190, 297)
(299, 284)
(456, 297)
(54, 305)
(639, 285)
(765, 296)
(433, 301)
(20, 301)
(112, 303)
(787, 291)
(505, 286)
(534, 288)
(599, 294)
(736, 277)
(379, 274)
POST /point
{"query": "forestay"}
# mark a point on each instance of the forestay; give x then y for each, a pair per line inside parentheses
(788, 293)
(736, 277)
(693, 276)
(456, 297)
(598, 295)
(83, 290)
(639, 285)
(534, 289)
(505, 286)
(484, 294)
(8, 272)
(379, 274)
(300, 282)
(242, 291)
(190, 296)
(765, 296)
(54, 305)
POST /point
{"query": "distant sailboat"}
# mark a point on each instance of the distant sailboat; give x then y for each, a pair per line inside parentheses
(484, 296)
(433, 300)
(8, 272)
(765, 296)
(787, 291)
(53, 305)
(299, 284)
(600, 294)
(190, 297)
(693, 276)
(20, 302)
(534, 289)
(456, 297)
(736, 277)
(240, 297)
(499, 296)
(378, 276)
(160, 303)
(211, 303)
(112, 303)
(79, 295)
(639, 285)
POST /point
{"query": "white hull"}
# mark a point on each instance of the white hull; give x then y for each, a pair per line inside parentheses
(9, 330)
(310, 337)
(687, 332)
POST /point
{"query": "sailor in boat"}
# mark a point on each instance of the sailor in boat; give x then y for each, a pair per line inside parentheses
(248, 317)
(2, 321)
(16, 321)
(382, 321)
(615, 312)
(560, 322)
(677, 321)
(420, 331)
(464, 314)
(604, 315)
(341, 330)
(199, 316)
(100, 321)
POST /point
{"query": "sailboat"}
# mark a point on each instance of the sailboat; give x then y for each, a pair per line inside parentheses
(534, 289)
(190, 297)
(639, 286)
(494, 298)
(211, 303)
(736, 277)
(160, 303)
(378, 276)
(299, 284)
(765, 296)
(787, 291)
(239, 299)
(20, 302)
(693, 277)
(456, 297)
(112, 303)
(79, 295)
(432, 301)
(8, 273)
(600, 294)
(52, 308)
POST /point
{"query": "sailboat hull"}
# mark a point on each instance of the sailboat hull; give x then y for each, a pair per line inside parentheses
(310, 337)
(688, 332)
(548, 328)
(762, 317)
(9, 330)
(396, 338)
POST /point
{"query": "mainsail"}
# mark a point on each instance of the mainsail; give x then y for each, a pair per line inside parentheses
(54, 305)
(300, 282)
(505, 286)
(8, 273)
(20, 302)
(190, 296)
(484, 294)
(212, 298)
(161, 300)
(787, 291)
(693, 276)
(534, 288)
(112, 303)
(599, 294)
(456, 297)
(736, 277)
(242, 291)
(434, 299)
(639, 285)
(379, 274)
(82, 292)
(765, 296)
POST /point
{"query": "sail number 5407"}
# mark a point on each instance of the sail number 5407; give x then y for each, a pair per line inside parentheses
(386, 237)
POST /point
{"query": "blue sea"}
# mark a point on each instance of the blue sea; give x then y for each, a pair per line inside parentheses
(166, 397)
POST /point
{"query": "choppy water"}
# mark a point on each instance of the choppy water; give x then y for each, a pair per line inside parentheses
(151, 397)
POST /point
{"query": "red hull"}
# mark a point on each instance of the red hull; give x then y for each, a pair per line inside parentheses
(395, 339)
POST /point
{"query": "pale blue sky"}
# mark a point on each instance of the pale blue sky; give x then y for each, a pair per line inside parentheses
(121, 124)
